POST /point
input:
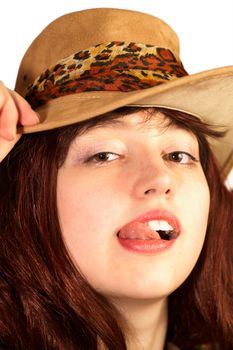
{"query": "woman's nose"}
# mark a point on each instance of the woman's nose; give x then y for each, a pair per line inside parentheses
(153, 177)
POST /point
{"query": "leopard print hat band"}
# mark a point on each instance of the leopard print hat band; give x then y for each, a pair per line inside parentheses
(111, 66)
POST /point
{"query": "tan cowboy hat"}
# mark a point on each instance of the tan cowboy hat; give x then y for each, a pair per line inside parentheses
(91, 62)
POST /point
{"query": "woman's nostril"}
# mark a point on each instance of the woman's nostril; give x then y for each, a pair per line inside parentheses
(153, 190)
(150, 190)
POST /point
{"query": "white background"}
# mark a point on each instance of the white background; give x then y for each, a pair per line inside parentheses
(205, 28)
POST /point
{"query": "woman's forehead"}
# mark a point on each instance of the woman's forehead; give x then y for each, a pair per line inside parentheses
(140, 119)
(143, 119)
(153, 124)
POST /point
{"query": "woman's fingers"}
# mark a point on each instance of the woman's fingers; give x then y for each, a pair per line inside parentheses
(8, 114)
(27, 116)
(14, 110)
(6, 146)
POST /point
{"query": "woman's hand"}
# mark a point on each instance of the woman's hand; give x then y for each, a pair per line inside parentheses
(14, 109)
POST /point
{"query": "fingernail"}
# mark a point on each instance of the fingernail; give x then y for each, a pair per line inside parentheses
(38, 116)
(33, 118)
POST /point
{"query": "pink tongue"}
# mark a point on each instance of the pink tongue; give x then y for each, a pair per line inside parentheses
(138, 230)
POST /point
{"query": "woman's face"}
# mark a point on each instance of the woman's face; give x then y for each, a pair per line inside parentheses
(120, 184)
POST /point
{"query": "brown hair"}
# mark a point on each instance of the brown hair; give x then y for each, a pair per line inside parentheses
(45, 302)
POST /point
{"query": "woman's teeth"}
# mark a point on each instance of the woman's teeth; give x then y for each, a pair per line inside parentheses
(159, 225)
(163, 228)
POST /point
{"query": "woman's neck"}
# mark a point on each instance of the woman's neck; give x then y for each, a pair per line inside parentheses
(146, 323)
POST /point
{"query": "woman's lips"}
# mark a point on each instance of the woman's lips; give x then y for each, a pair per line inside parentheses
(137, 236)
(149, 246)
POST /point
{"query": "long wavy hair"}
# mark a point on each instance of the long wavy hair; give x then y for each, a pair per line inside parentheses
(46, 303)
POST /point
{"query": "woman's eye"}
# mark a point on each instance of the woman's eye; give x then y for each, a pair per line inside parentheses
(102, 157)
(180, 157)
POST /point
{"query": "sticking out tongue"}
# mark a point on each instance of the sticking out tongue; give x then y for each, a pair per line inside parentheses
(138, 230)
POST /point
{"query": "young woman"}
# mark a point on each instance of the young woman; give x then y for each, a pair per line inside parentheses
(115, 222)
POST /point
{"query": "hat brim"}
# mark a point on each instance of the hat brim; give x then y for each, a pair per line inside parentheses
(207, 95)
